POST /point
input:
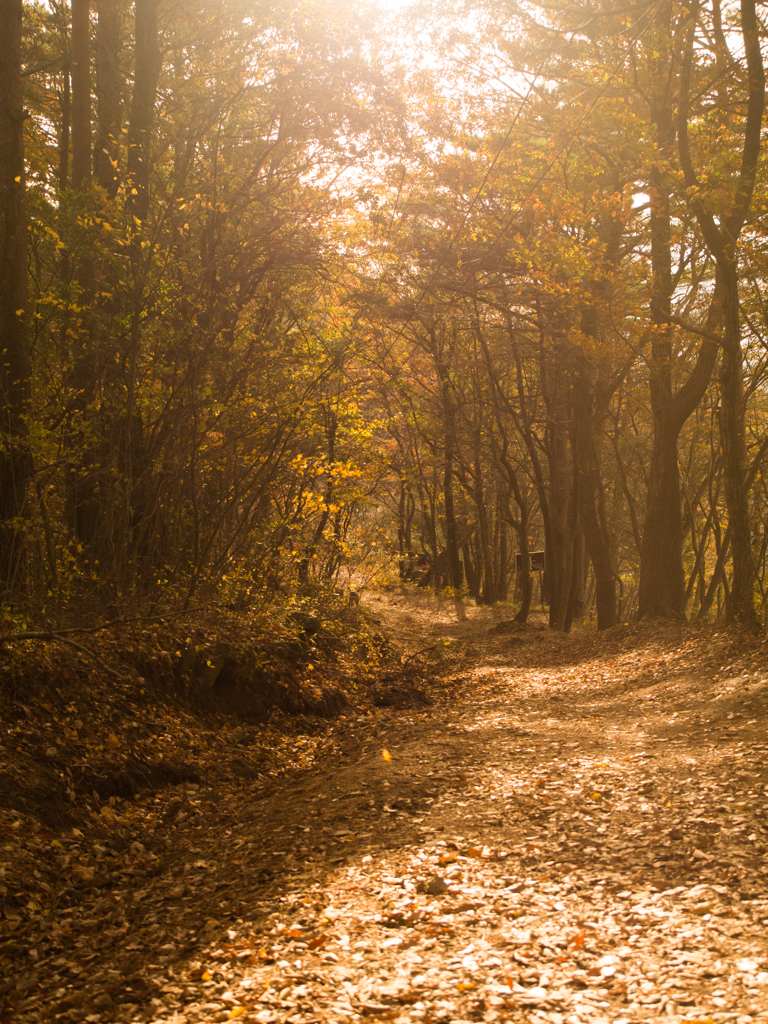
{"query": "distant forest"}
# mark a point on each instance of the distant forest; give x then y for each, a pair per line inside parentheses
(299, 293)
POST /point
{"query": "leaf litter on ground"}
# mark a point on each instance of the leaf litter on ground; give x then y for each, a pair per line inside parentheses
(574, 832)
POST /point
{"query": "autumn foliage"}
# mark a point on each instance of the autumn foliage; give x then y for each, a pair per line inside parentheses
(305, 303)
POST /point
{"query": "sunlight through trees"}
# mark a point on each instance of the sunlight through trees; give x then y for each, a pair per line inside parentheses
(395, 291)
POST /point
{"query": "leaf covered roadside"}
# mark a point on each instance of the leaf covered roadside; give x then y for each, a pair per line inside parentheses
(557, 842)
(91, 762)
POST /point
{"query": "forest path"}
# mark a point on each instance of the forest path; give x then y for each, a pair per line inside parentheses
(573, 832)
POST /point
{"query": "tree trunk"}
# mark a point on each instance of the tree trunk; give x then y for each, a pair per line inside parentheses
(524, 580)
(146, 75)
(662, 580)
(485, 555)
(500, 548)
(65, 117)
(108, 84)
(721, 235)
(578, 582)
(456, 575)
(15, 460)
(562, 618)
(401, 545)
(81, 93)
(741, 607)
(662, 577)
(590, 493)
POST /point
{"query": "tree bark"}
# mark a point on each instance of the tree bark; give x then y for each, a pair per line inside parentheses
(721, 237)
(15, 460)
(81, 93)
(662, 588)
(146, 76)
(105, 151)
(590, 492)
(741, 607)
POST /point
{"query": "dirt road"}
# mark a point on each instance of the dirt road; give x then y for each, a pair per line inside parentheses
(574, 831)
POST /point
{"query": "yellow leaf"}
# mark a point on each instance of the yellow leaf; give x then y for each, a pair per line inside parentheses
(17, 179)
(386, 755)
(236, 1011)
(83, 873)
(112, 741)
(205, 976)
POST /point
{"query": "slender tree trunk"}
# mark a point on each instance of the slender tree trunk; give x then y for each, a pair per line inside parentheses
(65, 117)
(741, 607)
(524, 579)
(592, 389)
(472, 569)
(721, 236)
(401, 547)
(500, 546)
(485, 558)
(81, 93)
(662, 581)
(590, 494)
(146, 76)
(450, 445)
(563, 618)
(456, 575)
(15, 460)
(108, 84)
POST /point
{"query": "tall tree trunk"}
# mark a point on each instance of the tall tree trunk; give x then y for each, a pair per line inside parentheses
(146, 76)
(559, 555)
(721, 236)
(500, 545)
(662, 581)
(662, 577)
(741, 607)
(108, 82)
(590, 492)
(450, 443)
(570, 578)
(401, 529)
(81, 93)
(15, 461)
(484, 540)
(578, 582)
(65, 115)
(451, 527)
